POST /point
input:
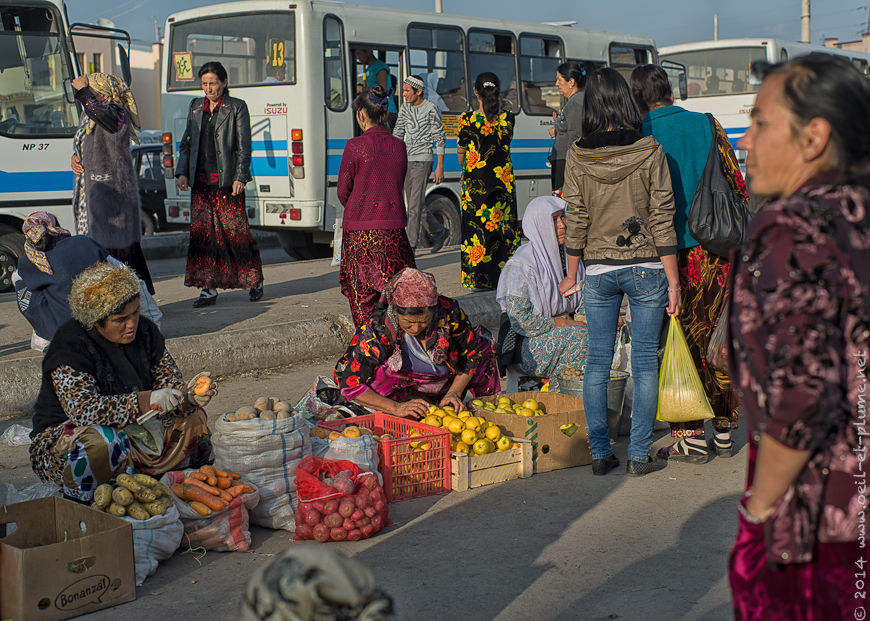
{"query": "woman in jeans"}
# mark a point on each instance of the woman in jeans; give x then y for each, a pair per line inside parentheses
(621, 224)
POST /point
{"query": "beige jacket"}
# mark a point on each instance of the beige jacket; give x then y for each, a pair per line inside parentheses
(620, 203)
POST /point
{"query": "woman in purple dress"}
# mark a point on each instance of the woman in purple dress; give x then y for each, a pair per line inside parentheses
(800, 325)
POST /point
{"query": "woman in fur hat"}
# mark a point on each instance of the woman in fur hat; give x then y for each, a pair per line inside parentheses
(104, 369)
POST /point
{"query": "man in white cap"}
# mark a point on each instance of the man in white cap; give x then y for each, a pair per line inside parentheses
(419, 125)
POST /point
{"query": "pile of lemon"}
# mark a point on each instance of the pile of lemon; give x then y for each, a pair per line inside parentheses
(469, 434)
(503, 405)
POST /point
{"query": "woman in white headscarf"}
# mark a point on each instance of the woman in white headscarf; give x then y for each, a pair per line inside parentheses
(528, 291)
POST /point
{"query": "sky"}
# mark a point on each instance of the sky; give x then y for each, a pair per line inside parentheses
(667, 21)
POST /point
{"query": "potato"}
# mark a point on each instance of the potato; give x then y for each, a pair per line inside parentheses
(137, 511)
(145, 495)
(267, 415)
(283, 414)
(262, 403)
(122, 496)
(162, 490)
(273, 401)
(246, 412)
(159, 506)
(116, 509)
(282, 405)
(145, 480)
(125, 480)
(103, 495)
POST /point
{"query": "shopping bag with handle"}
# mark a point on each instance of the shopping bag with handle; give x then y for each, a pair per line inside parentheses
(681, 393)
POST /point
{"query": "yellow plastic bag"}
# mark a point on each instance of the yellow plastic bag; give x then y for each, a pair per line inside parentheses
(681, 393)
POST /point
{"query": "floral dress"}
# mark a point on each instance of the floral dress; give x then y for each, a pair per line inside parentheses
(489, 201)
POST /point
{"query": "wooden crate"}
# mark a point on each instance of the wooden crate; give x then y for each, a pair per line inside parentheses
(470, 472)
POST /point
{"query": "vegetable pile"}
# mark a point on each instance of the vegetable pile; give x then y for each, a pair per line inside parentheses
(138, 496)
(345, 504)
(210, 489)
(266, 408)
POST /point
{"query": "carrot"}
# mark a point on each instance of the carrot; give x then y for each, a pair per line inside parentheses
(195, 493)
(177, 489)
(202, 533)
(247, 489)
(210, 473)
(205, 486)
(200, 508)
(235, 490)
(224, 496)
(202, 476)
(224, 482)
(214, 542)
(233, 475)
(220, 473)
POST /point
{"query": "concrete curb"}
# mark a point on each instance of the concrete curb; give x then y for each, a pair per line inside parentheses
(233, 351)
(174, 245)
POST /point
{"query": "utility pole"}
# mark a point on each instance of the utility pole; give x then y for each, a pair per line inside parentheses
(439, 6)
(805, 21)
(715, 26)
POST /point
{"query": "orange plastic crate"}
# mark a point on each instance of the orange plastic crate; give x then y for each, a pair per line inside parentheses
(407, 472)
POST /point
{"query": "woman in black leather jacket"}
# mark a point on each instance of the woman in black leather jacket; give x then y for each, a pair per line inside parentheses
(215, 154)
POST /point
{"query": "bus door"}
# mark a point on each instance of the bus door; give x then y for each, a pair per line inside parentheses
(364, 56)
(336, 105)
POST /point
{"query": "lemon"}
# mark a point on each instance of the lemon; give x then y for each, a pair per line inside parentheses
(469, 436)
(432, 408)
(504, 443)
(531, 404)
(461, 447)
(493, 433)
(472, 422)
(464, 415)
(504, 401)
(455, 425)
(526, 412)
(432, 420)
(483, 446)
(477, 402)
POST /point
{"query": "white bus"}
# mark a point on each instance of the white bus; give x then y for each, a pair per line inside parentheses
(38, 117)
(302, 119)
(719, 75)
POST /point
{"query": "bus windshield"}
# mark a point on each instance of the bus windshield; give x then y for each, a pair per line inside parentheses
(33, 70)
(719, 71)
(265, 54)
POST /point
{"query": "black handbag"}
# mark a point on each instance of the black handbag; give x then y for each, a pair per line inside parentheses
(718, 218)
(508, 347)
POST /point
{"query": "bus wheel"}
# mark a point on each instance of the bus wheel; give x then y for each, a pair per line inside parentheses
(300, 245)
(11, 247)
(447, 213)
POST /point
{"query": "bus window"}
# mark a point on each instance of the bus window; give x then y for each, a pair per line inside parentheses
(624, 58)
(719, 71)
(436, 55)
(539, 58)
(494, 51)
(334, 89)
(34, 65)
(265, 53)
(783, 55)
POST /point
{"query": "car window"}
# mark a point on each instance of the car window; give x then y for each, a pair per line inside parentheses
(149, 164)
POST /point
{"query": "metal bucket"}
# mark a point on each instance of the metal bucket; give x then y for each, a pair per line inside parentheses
(615, 397)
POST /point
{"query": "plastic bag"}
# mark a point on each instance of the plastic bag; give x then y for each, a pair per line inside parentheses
(226, 530)
(336, 242)
(717, 348)
(681, 393)
(155, 539)
(16, 435)
(265, 453)
(338, 501)
(363, 451)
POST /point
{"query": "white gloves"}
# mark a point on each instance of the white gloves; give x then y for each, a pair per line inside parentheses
(200, 400)
(165, 399)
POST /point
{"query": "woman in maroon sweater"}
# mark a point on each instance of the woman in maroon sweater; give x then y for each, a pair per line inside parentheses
(374, 245)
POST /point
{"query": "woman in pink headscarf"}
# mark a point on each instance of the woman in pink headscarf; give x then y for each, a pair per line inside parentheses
(417, 348)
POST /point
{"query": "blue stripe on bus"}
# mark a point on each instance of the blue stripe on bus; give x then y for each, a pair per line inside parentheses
(43, 181)
(269, 145)
(535, 160)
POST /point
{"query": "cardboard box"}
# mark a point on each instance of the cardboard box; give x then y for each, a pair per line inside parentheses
(469, 472)
(551, 448)
(63, 560)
